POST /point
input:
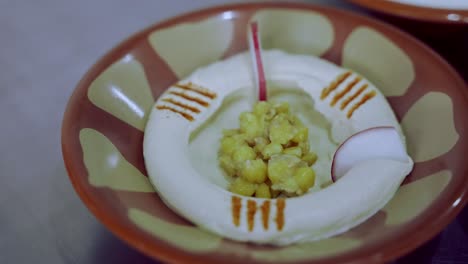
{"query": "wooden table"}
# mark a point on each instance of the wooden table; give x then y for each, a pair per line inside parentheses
(45, 48)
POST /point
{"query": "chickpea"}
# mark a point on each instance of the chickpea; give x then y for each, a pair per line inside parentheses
(250, 125)
(261, 108)
(296, 151)
(260, 144)
(279, 167)
(230, 144)
(243, 153)
(227, 165)
(272, 149)
(310, 158)
(281, 131)
(263, 191)
(302, 135)
(254, 171)
(305, 178)
(282, 107)
(243, 187)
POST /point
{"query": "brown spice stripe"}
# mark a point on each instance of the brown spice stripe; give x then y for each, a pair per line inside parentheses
(236, 206)
(185, 115)
(340, 79)
(198, 89)
(185, 106)
(190, 98)
(265, 214)
(251, 211)
(352, 97)
(280, 205)
(346, 90)
(368, 96)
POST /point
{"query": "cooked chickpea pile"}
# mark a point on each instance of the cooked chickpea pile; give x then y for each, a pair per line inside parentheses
(269, 154)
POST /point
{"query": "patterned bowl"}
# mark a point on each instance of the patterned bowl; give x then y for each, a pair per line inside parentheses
(103, 128)
(403, 9)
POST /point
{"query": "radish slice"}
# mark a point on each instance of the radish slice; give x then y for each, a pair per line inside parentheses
(373, 143)
(256, 54)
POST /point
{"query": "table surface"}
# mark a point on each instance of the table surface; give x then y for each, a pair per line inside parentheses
(46, 46)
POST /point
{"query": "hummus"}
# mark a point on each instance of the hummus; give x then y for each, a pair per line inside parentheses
(348, 101)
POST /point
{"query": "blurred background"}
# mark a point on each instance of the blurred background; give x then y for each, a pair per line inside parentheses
(45, 48)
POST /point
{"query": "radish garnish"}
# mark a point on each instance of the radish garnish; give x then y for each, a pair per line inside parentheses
(372, 143)
(256, 54)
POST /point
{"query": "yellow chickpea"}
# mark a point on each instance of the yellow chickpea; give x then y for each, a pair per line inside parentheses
(243, 187)
(278, 169)
(254, 171)
(227, 165)
(302, 135)
(281, 131)
(305, 178)
(270, 114)
(282, 107)
(228, 145)
(260, 144)
(310, 158)
(272, 149)
(250, 125)
(304, 146)
(231, 143)
(243, 153)
(263, 191)
(261, 108)
(296, 151)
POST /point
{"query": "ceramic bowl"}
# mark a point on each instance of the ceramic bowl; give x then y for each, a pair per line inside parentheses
(105, 119)
(437, 14)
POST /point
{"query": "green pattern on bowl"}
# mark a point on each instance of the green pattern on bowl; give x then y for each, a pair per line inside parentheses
(186, 237)
(123, 91)
(373, 55)
(107, 167)
(293, 25)
(413, 198)
(430, 127)
(188, 46)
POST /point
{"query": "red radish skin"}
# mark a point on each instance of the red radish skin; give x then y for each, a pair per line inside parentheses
(262, 90)
(395, 150)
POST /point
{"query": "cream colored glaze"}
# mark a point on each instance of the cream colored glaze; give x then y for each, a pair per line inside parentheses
(186, 46)
(302, 32)
(412, 199)
(428, 140)
(298, 252)
(188, 238)
(373, 55)
(107, 167)
(123, 91)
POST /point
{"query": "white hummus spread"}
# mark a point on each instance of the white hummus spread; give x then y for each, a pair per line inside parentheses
(348, 101)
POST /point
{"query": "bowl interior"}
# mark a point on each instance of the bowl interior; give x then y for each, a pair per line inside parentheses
(105, 119)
